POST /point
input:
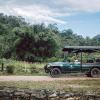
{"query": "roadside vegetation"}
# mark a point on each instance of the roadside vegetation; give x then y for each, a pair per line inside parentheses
(13, 67)
(69, 85)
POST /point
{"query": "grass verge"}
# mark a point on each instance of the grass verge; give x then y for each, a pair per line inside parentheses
(69, 85)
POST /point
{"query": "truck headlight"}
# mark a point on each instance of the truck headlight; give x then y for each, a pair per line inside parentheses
(48, 66)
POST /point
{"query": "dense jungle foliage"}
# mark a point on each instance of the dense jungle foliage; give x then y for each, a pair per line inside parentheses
(23, 41)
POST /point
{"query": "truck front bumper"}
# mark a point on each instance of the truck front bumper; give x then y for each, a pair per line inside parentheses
(47, 70)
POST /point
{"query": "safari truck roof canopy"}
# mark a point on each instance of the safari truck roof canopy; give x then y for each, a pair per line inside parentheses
(77, 49)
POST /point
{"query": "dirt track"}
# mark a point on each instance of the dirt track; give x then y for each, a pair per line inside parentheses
(41, 78)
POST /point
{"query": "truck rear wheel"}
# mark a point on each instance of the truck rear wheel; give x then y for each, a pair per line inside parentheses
(95, 72)
(55, 72)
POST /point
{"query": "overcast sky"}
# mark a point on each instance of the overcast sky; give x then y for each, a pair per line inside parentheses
(82, 16)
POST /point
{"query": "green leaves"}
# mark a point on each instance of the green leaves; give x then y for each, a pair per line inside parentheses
(22, 41)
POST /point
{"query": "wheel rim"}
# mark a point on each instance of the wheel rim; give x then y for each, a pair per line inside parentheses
(55, 73)
(95, 73)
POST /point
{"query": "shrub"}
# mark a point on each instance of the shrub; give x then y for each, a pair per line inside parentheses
(10, 69)
(54, 59)
(34, 70)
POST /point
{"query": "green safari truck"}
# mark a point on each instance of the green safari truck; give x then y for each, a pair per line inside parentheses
(90, 68)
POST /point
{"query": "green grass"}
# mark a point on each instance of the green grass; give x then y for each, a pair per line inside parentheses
(23, 68)
(69, 85)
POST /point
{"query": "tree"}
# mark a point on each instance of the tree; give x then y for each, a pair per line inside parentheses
(23, 41)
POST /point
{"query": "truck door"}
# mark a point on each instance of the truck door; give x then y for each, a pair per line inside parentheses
(75, 67)
(66, 67)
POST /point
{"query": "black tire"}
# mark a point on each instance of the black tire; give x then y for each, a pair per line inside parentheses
(46, 71)
(95, 72)
(55, 72)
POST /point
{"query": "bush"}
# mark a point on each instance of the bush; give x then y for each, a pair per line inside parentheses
(34, 70)
(10, 69)
(54, 59)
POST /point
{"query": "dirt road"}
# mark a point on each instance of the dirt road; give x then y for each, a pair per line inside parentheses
(41, 78)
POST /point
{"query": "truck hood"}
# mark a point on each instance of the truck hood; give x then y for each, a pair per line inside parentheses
(56, 63)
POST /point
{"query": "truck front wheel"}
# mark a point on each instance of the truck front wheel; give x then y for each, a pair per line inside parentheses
(55, 72)
(95, 72)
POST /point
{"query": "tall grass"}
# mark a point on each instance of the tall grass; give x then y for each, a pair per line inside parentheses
(24, 68)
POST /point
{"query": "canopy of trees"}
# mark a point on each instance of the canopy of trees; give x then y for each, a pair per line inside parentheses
(22, 41)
